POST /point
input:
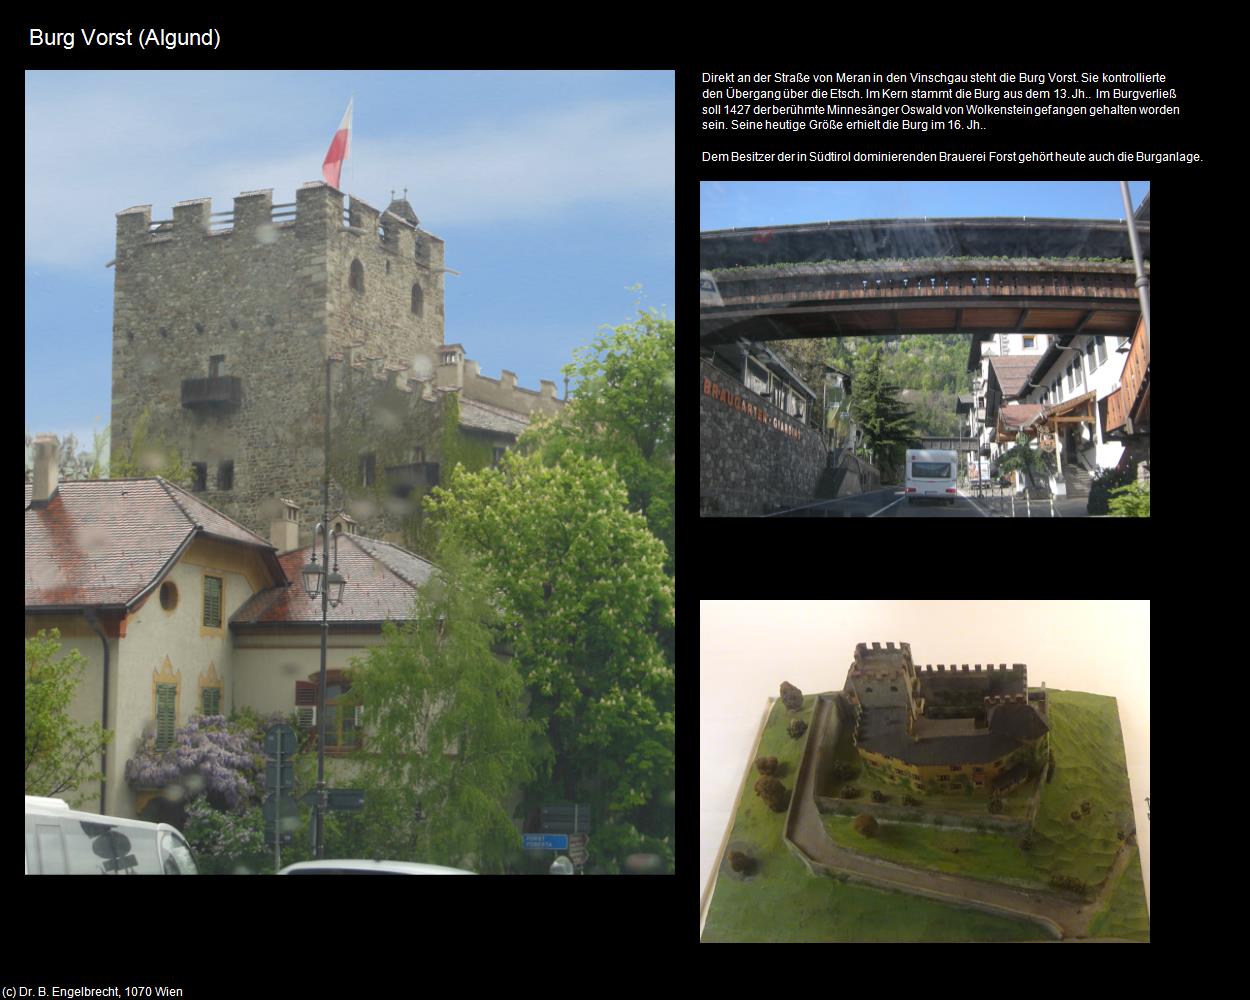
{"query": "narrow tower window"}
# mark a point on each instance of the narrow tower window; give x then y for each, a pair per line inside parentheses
(357, 280)
(418, 301)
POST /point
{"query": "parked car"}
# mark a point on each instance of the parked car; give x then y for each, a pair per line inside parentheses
(366, 867)
(64, 841)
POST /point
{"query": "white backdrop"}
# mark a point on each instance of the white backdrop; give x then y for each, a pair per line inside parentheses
(747, 648)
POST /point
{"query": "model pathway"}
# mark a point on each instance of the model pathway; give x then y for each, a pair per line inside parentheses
(806, 832)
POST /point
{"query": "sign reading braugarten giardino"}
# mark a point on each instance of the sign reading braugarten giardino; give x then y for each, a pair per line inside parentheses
(748, 408)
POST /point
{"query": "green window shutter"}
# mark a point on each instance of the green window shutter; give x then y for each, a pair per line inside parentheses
(212, 602)
(212, 701)
(166, 714)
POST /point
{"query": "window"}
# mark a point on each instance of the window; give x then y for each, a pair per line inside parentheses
(1091, 364)
(169, 595)
(357, 277)
(199, 477)
(210, 701)
(956, 767)
(944, 777)
(212, 602)
(1101, 341)
(418, 301)
(225, 475)
(1077, 370)
(418, 456)
(1069, 378)
(368, 469)
(216, 366)
(166, 715)
(1028, 343)
(497, 456)
(342, 719)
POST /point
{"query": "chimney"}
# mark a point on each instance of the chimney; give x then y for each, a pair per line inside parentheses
(284, 532)
(47, 449)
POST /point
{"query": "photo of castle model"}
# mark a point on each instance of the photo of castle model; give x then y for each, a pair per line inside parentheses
(947, 729)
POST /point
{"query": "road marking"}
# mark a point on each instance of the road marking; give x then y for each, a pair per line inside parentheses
(974, 506)
(888, 506)
(821, 503)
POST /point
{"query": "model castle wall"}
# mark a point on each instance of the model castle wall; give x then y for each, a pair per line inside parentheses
(251, 303)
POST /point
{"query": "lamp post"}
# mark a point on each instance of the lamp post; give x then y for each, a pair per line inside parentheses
(321, 581)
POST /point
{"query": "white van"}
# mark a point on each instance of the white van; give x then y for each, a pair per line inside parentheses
(63, 841)
(931, 473)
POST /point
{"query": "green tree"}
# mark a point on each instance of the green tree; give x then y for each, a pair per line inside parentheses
(447, 740)
(875, 407)
(621, 411)
(1032, 461)
(148, 454)
(61, 754)
(584, 592)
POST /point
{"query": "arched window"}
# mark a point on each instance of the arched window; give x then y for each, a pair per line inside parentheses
(418, 301)
(357, 280)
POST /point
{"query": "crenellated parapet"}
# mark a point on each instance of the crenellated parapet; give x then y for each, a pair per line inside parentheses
(318, 210)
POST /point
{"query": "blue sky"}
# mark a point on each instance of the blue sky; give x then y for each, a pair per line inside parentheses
(552, 190)
(740, 204)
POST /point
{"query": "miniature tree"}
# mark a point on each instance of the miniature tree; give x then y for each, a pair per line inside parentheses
(766, 765)
(791, 696)
(796, 728)
(996, 806)
(773, 792)
(741, 862)
(865, 825)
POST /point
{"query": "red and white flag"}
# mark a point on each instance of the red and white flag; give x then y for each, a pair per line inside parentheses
(332, 168)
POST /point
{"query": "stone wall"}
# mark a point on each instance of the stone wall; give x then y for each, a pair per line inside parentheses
(753, 456)
(269, 291)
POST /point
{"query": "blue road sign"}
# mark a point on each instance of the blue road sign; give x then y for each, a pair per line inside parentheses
(545, 841)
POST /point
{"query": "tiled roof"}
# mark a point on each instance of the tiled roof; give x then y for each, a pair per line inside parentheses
(1013, 373)
(382, 581)
(1020, 415)
(484, 417)
(105, 542)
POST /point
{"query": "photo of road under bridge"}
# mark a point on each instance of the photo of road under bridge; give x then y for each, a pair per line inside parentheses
(1058, 360)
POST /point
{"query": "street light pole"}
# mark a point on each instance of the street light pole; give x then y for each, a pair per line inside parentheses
(325, 630)
(326, 583)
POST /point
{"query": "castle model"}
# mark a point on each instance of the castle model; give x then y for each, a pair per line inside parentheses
(223, 323)
(945, 730)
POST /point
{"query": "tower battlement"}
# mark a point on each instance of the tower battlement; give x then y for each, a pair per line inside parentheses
(255, 218)
(223, 322)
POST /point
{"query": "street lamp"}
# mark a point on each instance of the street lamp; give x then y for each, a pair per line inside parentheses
(329, 587)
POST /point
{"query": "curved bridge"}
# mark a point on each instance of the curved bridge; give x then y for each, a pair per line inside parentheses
(980, 276)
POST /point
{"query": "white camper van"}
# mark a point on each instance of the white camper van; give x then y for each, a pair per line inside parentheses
(63, 841)
(931, 473)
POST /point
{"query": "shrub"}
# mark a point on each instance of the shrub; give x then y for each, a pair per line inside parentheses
(1085, 807)
(1132, 500)
(791, 696)
(909, 801)
(850, 792)
(879, 796)
(1103, 482)
(996, 806)
(865, 825)
(766, 765)
(740, 861)
(1075, 814)
(773, 792)
(844, 772)
(1027, 843)
(796, 728)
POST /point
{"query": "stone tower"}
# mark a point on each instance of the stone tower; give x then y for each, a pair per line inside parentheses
(223, 322)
